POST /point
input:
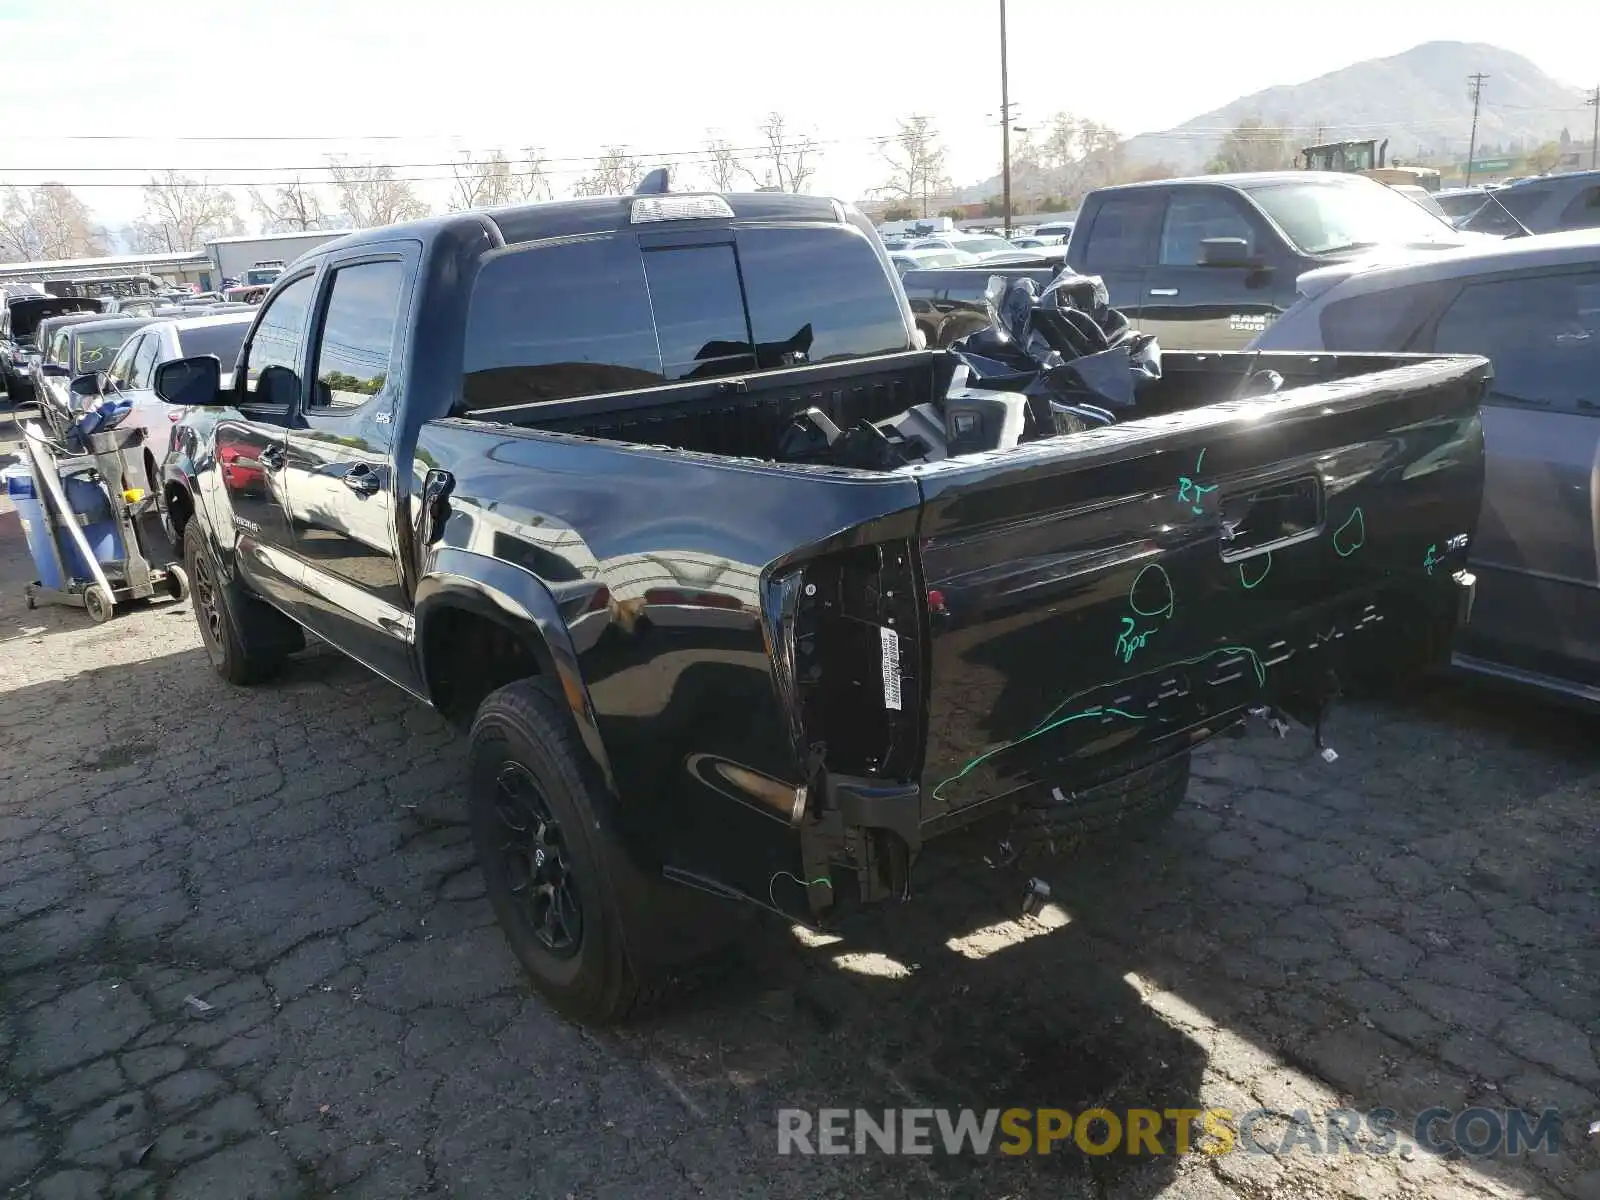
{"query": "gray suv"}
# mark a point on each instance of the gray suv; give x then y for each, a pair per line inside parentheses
(1544, 204)
(1532, 306)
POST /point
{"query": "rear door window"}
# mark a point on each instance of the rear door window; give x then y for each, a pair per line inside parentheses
(1541, 332)
(1382, 321)
(549, 322)
(818, 294)
(1124, 231)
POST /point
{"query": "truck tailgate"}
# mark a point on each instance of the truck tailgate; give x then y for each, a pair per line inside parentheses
(1099, 599)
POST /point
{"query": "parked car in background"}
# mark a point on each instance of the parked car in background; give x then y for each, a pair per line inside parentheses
(19, 327)
(912, 260)
(46, 360)
(1208, 263)
(1532, 306)
(1060, 231)
(979, 245)
(1544, 204)
(131, 374)
(1025, 242)
(246, 293)
(79, 348)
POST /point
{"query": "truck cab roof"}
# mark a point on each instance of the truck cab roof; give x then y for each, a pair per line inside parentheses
(596, 215)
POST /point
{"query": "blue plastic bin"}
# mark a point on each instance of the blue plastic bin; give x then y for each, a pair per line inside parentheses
(87, 499)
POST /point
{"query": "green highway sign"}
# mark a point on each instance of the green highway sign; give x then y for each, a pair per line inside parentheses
(1491, 164)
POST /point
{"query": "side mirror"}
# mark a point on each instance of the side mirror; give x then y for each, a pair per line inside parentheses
(53, 369)
(192, 382)
(1226, 252)
(91, 384)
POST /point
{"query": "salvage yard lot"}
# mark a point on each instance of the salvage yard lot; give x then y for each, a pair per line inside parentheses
(244, 951)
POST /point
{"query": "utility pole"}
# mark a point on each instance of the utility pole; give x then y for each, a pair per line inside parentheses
(1475, 89)
(1005, 126)
(1594, 141)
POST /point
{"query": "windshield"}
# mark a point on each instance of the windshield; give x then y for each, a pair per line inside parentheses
(1321, 218)
(222, 340)
(97, 349)
(1500, 205)
(1461, 204)
(262, 274)
(983, 245)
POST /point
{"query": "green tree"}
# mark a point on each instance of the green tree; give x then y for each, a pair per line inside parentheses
(1253, 145)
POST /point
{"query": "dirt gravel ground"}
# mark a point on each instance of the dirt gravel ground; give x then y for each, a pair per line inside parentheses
(244, 952)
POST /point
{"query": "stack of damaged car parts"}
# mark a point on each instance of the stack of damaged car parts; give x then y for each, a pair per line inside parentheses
(1052, 361)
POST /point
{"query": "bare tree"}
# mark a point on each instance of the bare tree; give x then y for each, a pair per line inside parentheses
(480, 182)
(47, 221)
(917, 164)
(1253, 145)
(494, 179)
(1078, 155)
(722, 165)
(181, 213)
(615, 174)
(531, 177)
(370, 195)
(291, 208)
(783, 159)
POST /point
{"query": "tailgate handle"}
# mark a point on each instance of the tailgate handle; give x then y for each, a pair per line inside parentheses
(1271, 517)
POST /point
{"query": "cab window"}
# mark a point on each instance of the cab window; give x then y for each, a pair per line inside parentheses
(357, 335)
(273, 357)
(1192, 217)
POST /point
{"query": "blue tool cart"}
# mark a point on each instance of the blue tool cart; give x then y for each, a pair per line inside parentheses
(93, 535)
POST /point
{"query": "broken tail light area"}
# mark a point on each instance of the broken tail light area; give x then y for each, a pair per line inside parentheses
(847, 636)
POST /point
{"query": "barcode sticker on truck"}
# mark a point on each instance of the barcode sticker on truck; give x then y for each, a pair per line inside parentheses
(891, 667)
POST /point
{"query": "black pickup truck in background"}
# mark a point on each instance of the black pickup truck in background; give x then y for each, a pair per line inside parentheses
(530, 465)
(1208, 263)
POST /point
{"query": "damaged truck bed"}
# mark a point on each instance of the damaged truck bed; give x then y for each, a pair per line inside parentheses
(697, 666)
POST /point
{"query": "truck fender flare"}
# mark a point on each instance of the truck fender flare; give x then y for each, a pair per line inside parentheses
(518, 600)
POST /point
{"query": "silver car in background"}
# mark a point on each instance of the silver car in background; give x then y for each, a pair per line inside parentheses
(132, 375)
(1532, 306)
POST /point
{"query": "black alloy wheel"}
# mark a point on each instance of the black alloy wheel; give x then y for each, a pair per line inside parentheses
(538, 869)
(207, 603)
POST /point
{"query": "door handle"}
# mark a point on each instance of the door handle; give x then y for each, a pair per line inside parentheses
(361, 479)
(1163, 291)
(272, 457)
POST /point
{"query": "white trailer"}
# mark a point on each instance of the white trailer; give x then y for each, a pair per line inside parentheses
(234, 256)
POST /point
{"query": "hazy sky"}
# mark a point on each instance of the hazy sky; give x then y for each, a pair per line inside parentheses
(238, 90)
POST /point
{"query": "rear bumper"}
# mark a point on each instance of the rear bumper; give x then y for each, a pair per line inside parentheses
(1352, 645)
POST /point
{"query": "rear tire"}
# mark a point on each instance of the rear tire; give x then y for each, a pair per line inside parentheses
(1132, 805)
(246, 639)
(532, 795)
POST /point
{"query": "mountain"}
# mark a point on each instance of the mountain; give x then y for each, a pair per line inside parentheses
(1417, 99)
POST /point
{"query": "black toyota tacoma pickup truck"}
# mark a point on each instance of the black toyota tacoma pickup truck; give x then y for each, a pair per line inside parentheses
(529, 465)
